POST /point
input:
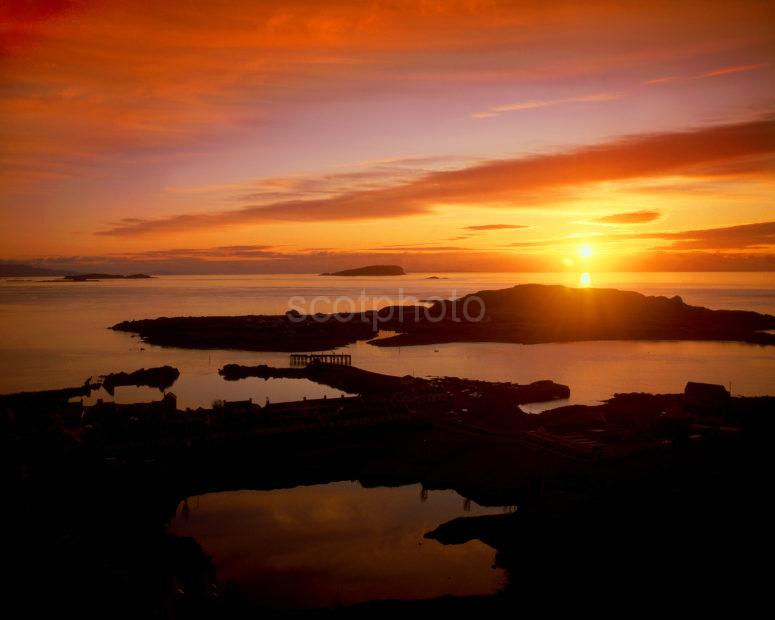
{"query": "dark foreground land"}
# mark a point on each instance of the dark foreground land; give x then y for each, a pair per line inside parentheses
(90, 490)
(528, 314)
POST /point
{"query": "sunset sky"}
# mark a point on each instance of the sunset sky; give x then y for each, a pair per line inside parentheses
(474, 135)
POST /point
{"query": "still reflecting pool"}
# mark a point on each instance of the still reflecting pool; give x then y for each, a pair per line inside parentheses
(317, 546)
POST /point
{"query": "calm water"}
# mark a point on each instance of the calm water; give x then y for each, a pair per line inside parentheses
(54, 335)
(308, 546)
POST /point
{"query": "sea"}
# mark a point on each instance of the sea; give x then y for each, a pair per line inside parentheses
(341, 543)
(56, 334)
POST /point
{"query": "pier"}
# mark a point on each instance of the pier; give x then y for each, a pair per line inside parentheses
(305, 359)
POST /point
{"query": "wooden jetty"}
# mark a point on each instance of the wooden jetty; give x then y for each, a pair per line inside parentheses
(305, 359)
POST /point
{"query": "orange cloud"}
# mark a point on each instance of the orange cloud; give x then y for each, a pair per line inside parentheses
(756, 236)
(85, 80)
(495, 227)
(744, 236)
(632, 217)
(517, 182)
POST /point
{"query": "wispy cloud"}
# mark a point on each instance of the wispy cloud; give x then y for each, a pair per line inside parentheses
(544, 103)
(525, 181)
(713, 73)
(730, 70)
(495, 227)
(215, 253)
(760, 235)
(422, 248)
(365, 176)
(631, 217)
(756, 236)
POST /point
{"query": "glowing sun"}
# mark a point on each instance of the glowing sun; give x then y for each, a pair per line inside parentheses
(585, 251)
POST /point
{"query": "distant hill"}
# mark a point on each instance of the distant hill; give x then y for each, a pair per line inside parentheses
(370, 270)
(19, 270)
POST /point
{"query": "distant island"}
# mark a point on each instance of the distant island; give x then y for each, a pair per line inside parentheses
(19, 270)
(370, 270)
(93, 277)
(526, 314)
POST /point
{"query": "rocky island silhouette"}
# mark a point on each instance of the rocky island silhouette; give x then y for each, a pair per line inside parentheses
(370, 270)
(527, 313)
